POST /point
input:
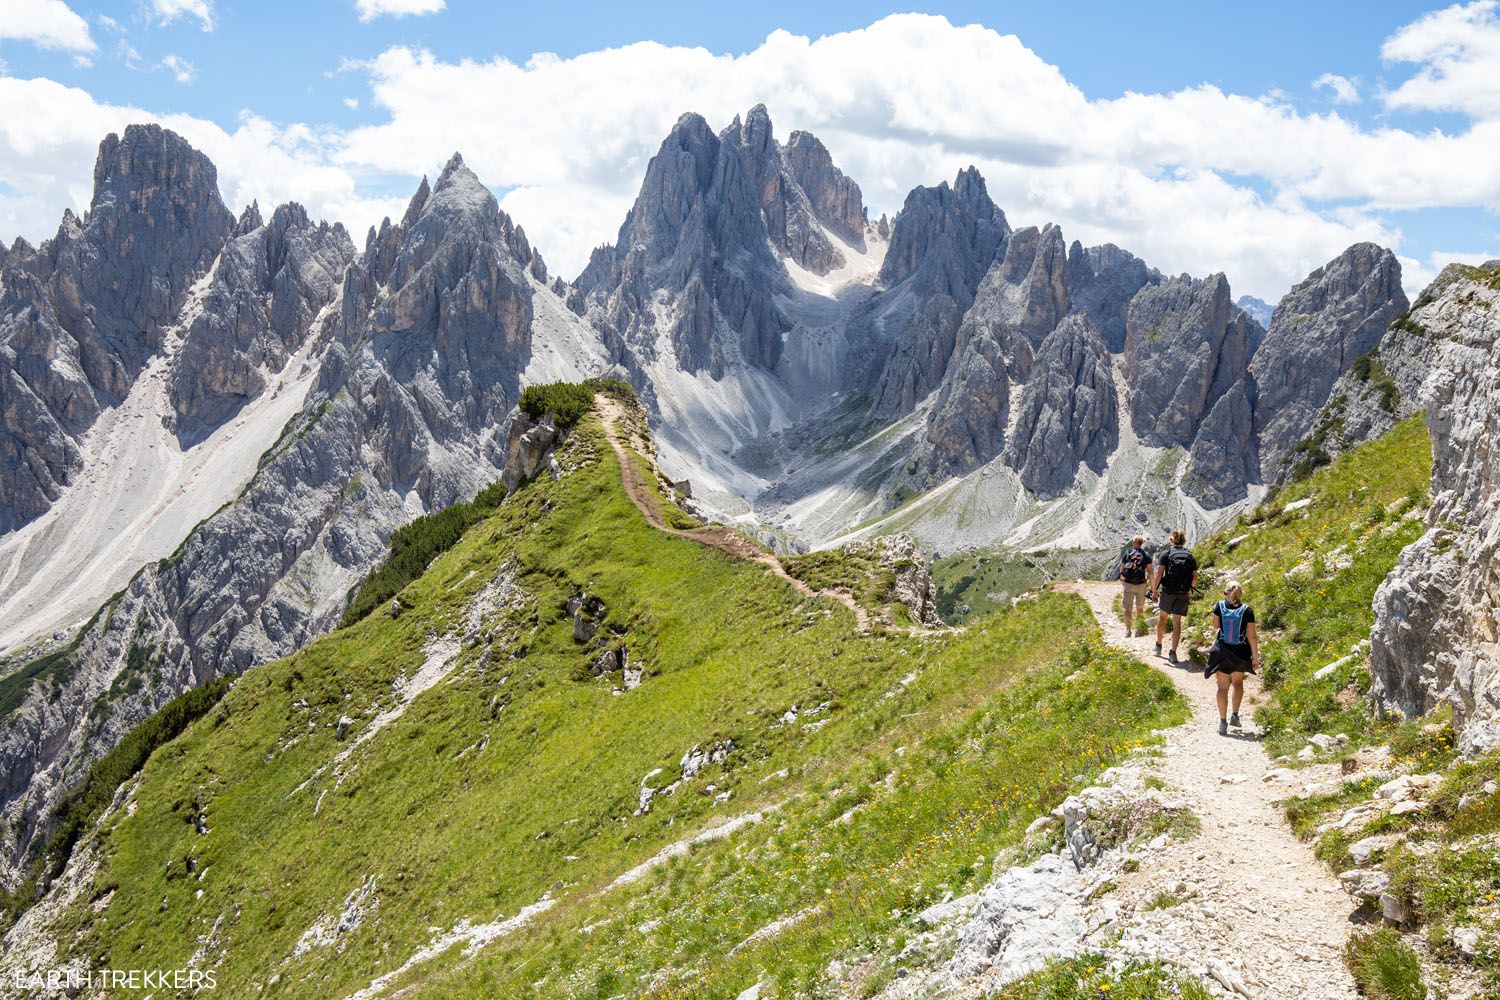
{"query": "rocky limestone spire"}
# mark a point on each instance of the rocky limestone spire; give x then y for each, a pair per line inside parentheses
(836, 200)
(1067, 413)
(1021, 301)
(258, 309)
(1101, 282)
(106, 287)
(1185, 345)
(702, 205)
(942, 243)
(1319, 329)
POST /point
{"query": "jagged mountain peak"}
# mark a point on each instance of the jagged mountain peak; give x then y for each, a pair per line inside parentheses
(249, 220)
(937, 217)
(1319, 329)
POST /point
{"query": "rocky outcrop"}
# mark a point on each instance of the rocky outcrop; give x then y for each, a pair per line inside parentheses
(1379, 390)
(1067, 413)
(1101, 282)
(1435, 639)
(912, 587)
(271, 281)
(1335, 315)
(1185, 346)
(713, 213)
(81, 317)
(528, 446)
(424, 352)
(942, 244)
(1225, 457)
(835, 200)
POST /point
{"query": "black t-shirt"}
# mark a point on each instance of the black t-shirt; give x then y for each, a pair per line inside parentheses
(1225, 612)
(1134, 563)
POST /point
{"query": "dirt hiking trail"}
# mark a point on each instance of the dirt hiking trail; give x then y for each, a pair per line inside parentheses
(714, 536)
(1259, 901)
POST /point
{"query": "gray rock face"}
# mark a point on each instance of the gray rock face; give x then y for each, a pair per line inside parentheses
(529, 444)
(420, 368)
(1101, 282)
(1436, 638)
(942, 244)
(835, 199)
(1225, 454)
(82, 316)
(702, 232)
(1021, 302)
(1068, 413)
(270, 282)
(913, 588)
(1378, 392)
(1322, 326)
(1185, 345)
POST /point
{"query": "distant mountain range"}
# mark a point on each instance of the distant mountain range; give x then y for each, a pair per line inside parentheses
(221, 420)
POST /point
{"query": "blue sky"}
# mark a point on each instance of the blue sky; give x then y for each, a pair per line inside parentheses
(1200, 108)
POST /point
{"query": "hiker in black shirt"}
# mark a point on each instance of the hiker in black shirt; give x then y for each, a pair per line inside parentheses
(1235, 652)
(1135, 574)
(1176, 575)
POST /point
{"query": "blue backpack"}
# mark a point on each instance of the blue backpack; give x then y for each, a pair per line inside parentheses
(1231, 623)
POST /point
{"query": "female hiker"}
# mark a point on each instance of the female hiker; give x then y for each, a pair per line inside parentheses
(1135, 565)
(1235, 652)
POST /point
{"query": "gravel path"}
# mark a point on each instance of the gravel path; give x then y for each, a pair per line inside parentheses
(1261, 909)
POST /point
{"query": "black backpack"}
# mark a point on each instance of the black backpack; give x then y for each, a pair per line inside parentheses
(1180, 567)
(1133, 566)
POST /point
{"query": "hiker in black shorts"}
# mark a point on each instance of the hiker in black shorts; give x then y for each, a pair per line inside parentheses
(1235, 652)
(1176, 574)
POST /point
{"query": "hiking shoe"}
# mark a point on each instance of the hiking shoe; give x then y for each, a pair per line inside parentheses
(1223, 728)
(1172, 656)
(1234, 720)
(1158, 649)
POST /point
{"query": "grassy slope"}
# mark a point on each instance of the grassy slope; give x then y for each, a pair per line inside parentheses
(519, 778)
(1366, 506)
(1311, 575)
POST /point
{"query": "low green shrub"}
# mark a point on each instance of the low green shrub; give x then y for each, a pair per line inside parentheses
(566, 401)
(1384, 968)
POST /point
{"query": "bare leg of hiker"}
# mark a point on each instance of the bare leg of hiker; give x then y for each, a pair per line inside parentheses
(1176, 632)
(1223, 693)
(1238, 689)
(1161, 629)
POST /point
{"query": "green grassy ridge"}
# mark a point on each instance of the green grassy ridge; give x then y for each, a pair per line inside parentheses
(1446, 867)
(855, 568)
(857, 852)
(1311, 576)
(472, 804)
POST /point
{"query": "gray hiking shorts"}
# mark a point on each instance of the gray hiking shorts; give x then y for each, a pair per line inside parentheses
(1173, 604)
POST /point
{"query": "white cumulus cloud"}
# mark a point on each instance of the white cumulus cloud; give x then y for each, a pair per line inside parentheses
(50, 24)
(49, 138)
(1196, 180)
(1343, 89)
(168, 11)
(368, 10)
(182, 71)
(1458, 51)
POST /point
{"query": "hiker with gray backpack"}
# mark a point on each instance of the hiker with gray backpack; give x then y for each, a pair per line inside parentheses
(1135, 570)
(1176, 575)
(1235, 653)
